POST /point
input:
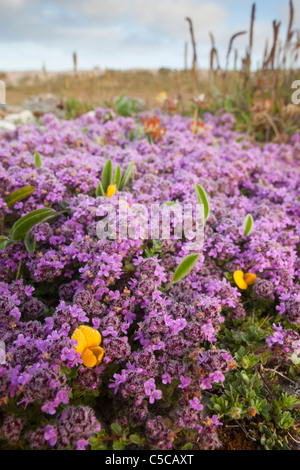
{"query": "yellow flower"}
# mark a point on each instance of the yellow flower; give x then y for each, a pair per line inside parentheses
(161, 97)
(250, 278)
(88, 345)
(111, 190)
(243, 280)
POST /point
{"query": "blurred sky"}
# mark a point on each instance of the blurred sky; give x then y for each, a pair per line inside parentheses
(124, 34)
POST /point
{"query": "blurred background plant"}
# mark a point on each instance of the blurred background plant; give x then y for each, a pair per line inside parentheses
(259, 97)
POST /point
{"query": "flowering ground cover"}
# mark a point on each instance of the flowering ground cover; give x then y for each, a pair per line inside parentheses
(101, 347)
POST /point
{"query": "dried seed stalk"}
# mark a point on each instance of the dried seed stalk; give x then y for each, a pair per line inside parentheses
(271, 58)
(230, 45)
(194, 65)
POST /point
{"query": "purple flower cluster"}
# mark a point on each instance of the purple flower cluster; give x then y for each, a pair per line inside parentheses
(160, 355)
(284, 342)
(74, 427)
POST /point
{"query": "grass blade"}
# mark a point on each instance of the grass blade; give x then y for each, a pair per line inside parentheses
(126, 176)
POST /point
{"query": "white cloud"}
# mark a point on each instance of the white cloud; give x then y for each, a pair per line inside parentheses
(129, 32)
(165, 15)
(12, 4)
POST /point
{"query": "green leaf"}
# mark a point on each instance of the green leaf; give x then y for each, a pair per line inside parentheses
(228, 276)
(202, 198)
(38, 211)
(187, 446)
(126, 176)
(184, 268)
(286, 421)
(30, 243)
(117, 429)
(107, 175)
(295, 359)
(248, 224)
(19, 195)
(118, 445)
(64, 204)
(100, 190)
(125, 106)
(25, 223)
(38, 162)
(5, 242)
(54, 216)
(135, 438)
(117, 176)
